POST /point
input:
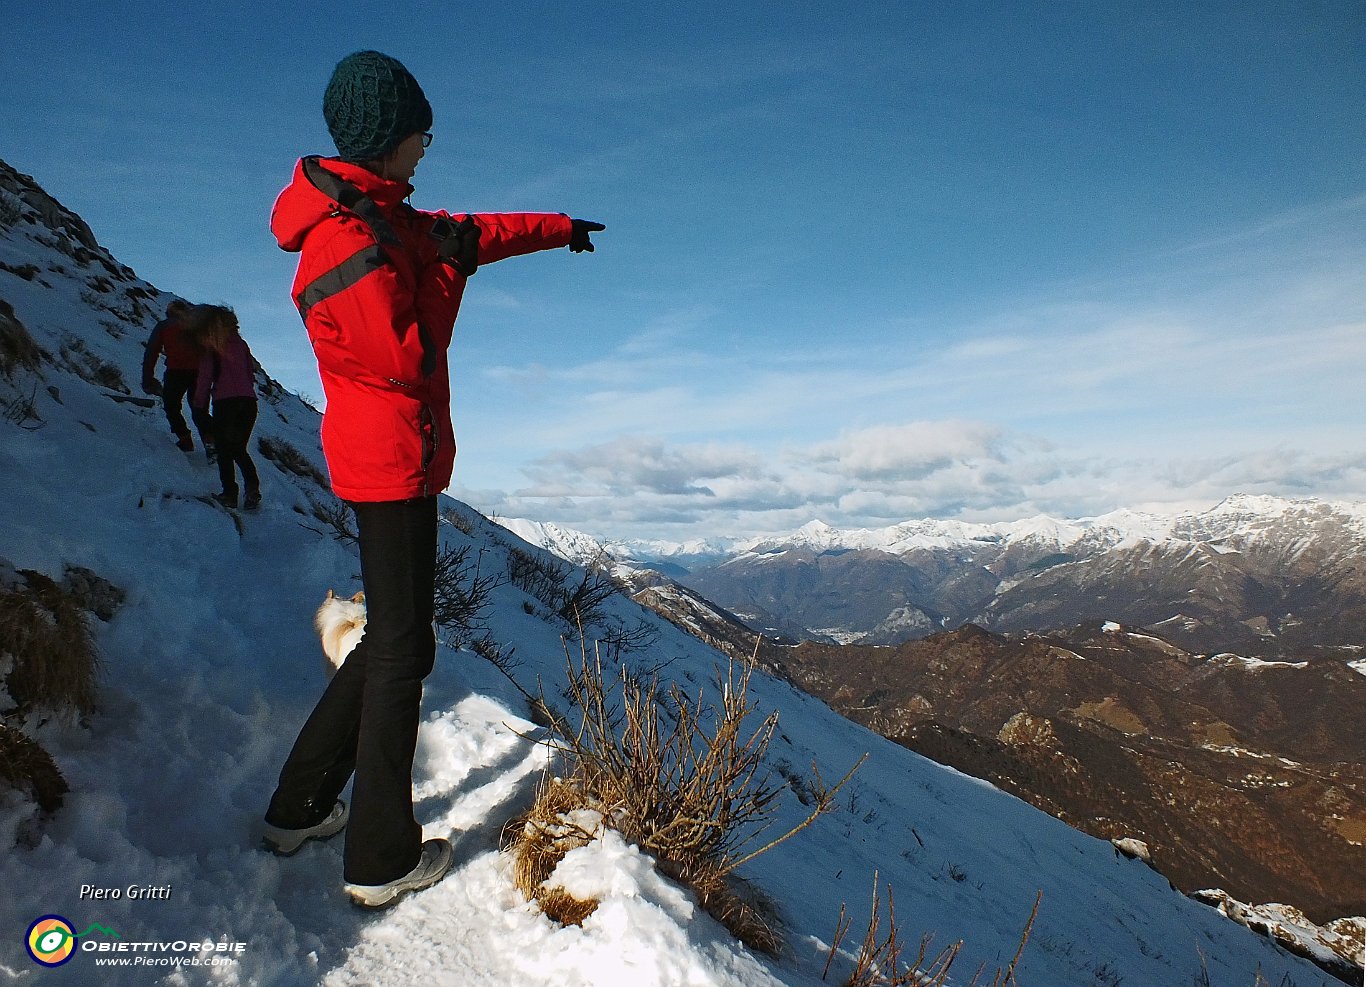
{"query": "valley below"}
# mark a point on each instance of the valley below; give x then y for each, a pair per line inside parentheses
(1237, 773)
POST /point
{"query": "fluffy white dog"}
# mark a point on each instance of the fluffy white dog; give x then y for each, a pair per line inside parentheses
(341, 625)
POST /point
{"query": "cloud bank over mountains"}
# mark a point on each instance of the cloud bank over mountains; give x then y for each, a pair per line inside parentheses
(1226, 365)
(648, 486)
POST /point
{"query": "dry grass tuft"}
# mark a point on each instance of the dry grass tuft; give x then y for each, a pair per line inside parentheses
(561, 819)
(26, 767)
(736, 904)
(338, 520)
(18, 350)
(880, 963)
(288, 459)
(43, 627)
(560, 906)
(91, 367)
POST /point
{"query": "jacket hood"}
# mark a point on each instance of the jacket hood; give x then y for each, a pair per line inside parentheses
(301, 206)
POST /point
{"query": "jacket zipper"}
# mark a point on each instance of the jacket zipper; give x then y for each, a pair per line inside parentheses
(426, 425)
(427, 436)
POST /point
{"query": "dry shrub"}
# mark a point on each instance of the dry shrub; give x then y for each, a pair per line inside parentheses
(463, 592)
(18, 350)
(682, 779)
(288, 459)
(43, 627)
(538, 574)
(539, 839)
(91, 367)
(879, 962)
(337, 518)
(583, 603)
(29, 769)
(23, 411)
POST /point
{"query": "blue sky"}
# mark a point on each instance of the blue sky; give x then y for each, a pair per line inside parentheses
(894, 260)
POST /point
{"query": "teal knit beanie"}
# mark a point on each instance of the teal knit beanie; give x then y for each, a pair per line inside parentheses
(372, 105)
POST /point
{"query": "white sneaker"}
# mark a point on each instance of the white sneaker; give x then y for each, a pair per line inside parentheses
(287, 841)
(431, 867)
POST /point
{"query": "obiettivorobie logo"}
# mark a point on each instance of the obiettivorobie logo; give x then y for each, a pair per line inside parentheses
(52, 941)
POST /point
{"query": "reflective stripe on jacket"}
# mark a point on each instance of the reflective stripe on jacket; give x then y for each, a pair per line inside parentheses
(380, 305)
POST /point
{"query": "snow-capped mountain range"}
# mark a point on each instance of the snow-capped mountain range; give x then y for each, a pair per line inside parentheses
(1263, 575)
(1240, 518)
(210, 662)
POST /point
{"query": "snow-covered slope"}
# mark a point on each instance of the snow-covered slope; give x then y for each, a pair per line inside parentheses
(573, 546)
(578, 546)
(210, 665)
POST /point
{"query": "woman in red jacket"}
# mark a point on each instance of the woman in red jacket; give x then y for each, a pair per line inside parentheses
(378, 286)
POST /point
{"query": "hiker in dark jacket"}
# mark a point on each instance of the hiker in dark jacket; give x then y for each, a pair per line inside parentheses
(379, 285)
(227, 376)
(182, 364)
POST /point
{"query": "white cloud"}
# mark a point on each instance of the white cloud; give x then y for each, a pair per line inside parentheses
(647, 486)
(632, 466)
(912, 451)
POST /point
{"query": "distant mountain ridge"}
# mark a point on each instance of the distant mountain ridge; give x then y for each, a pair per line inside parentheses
(1238, 514)
(1256, 574)
(1260, 575)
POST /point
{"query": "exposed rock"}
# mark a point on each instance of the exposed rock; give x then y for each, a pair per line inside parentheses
(1133, 849)
(1024, 728)
(93, 591)
(1337, 947)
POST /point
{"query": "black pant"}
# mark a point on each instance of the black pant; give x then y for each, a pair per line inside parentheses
(233, 420)
(366, 720)
(175, 384)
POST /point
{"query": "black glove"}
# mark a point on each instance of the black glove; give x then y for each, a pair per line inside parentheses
(459, 244)
(578, 239)
(150, 385)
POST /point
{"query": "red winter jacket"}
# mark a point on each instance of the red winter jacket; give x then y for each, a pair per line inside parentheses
(380, 304)
(181, 354)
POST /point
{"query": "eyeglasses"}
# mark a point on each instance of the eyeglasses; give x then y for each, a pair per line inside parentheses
(426, 140)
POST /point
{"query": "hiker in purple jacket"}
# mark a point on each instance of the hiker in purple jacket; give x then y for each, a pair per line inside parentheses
(227, 374)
